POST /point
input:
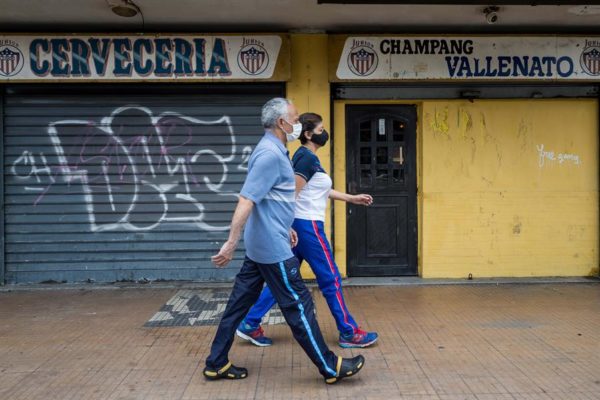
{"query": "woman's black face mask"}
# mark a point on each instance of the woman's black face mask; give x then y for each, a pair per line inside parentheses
(320, 139)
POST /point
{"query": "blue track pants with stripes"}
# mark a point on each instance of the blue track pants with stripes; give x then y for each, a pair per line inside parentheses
(295, 302)
(315, 249)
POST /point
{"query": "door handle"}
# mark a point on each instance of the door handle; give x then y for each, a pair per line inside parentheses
(400, 157)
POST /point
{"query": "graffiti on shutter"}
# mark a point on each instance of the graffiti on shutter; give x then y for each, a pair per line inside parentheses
(157, 162)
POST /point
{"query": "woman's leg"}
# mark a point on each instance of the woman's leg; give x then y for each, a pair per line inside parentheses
(314, 248)
(265, 302)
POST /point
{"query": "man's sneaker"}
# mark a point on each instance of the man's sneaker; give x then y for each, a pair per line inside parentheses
(359, 339)
(346, 367)
(255, 336)
(229, 371)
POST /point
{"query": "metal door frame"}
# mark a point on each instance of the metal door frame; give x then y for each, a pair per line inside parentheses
(463, 90)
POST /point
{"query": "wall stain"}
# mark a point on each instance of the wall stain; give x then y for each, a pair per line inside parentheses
(522, 133)
(464, 122)
(482, 124)
(576, 232)
(484, 130)
(517, 225)
(439, 124)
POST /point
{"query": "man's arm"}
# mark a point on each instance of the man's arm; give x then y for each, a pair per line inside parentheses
(240, 216)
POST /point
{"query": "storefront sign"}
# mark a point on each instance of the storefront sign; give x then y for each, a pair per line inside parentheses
(100, 57)
(470, 58)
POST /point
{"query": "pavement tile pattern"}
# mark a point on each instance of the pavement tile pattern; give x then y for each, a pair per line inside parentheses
(479, 342)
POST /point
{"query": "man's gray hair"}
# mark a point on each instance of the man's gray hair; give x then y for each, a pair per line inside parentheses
(273, 110)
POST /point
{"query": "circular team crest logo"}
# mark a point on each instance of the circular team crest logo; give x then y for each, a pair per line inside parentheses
(11, 60)
(590, 60)
(253, 59)
(362, 60)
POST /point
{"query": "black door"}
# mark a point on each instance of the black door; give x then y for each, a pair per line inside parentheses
(381, 161)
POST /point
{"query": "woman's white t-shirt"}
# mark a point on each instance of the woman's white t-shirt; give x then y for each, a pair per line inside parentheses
(311, 202)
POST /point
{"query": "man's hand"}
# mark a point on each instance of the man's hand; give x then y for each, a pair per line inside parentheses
(293, 238)
(225, 254)
(362, 199)
(240, 216)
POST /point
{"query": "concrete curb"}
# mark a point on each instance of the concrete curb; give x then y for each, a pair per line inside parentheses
(349, 282)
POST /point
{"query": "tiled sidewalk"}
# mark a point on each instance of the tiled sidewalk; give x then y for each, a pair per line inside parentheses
(437, 342)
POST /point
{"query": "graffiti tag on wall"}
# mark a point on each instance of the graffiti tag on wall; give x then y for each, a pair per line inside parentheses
(137, 170)
(545, 156)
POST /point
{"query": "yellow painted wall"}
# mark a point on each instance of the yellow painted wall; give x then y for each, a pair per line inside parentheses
(308, 89)
(486, 206)
(491, 207)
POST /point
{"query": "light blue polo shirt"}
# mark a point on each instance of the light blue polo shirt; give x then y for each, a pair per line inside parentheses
(271, 186)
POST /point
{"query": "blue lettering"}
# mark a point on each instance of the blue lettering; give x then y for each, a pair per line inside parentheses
(489, 71)
(122, 57)
(520, 66)
(81, 52)
(465, 68)
(139, 46)
(478, 72)
(452, 63)
(549, 61)
(60, 59)
(536, 67)
(163, 55)
(183, 57)
(503, 66)
(100, 54)
(200, 44)
(218, 62)
(570, 65)
(34, 57)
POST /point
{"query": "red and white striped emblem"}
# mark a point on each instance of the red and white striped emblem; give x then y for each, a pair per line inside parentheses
(253, 60)
(362, 61)
(9, 61)
(590, 61)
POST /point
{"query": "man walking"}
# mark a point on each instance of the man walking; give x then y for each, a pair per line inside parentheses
(267, 203)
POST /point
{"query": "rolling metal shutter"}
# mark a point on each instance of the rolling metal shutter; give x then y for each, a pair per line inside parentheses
(124, 183)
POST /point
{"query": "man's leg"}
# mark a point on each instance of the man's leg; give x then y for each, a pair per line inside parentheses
(297, 306)
(265, 302)
(246, 290)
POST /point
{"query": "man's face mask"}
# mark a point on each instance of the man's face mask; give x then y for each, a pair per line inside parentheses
(296, 131)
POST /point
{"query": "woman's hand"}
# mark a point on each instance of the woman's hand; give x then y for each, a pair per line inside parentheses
(362, 199)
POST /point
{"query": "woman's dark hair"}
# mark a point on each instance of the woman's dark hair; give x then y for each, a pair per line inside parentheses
(309, 122)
